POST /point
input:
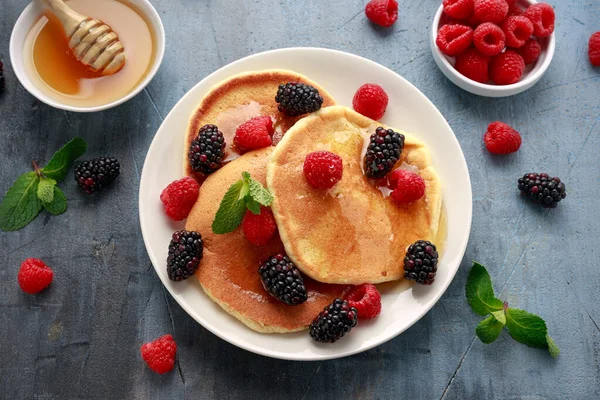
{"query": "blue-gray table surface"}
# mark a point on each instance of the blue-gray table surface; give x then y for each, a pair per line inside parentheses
(80, 338)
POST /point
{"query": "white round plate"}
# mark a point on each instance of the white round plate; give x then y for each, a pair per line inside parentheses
(340, 74)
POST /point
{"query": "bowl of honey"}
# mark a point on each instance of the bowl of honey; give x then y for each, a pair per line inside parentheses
(48, 69)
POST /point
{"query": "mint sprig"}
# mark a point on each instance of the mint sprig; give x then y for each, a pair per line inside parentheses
(242, 195)
(522, 326)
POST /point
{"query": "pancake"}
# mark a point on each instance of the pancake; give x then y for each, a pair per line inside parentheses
(240, 98)
(352, 233)
(228, 271)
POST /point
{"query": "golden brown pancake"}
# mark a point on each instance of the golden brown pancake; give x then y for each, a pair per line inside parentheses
(228, 272)
(351, 233)
(240, 98)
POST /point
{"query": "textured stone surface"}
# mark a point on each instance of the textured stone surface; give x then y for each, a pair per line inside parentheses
(81, 338)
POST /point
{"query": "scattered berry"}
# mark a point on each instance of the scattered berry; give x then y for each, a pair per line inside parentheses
(336, 319)
(383, 152)
(179, 197)
(459, 9)
(323, 169)
(185, 253)
(296, 98)
(453, 40)
(507, 68)
(517, 30)
(282, 280)
(382, 12)
(420, 263)
(34, 276)
(366, 299)
(489, 39)
(594, 49)
(370, 100)
(473, 65)
(501, 138)
(530, 51)
(2, 82)
(493, 11)
(259, 228)
(407, 186)
(95, 174)
(160, 354)
(542, 189)
(542, 17)
(254, 134)
(207, 150)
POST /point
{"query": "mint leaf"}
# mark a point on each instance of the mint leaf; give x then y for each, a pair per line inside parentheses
(45, 190)
(526, 328)
(232, 209)
(21, 204)
(489, 329)
(552, 347)
(61, 160)
(58, 205)
(479, 291)
(260, 194)
(252, 205)
(500, 317)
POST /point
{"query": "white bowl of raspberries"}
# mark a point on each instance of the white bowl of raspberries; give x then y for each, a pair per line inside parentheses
(493, 48)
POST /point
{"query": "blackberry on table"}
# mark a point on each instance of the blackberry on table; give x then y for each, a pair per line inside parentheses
(185, 252)
(282, 280)
(420, 262)
(93, 175)
(207, 150)
(383, 152)
(336, 319)
(542, 189)
(296, 98)
(2, 82)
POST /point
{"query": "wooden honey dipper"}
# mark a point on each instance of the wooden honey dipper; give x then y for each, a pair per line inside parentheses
(93, 42)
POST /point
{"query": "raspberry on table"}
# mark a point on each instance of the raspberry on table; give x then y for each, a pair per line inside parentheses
(297, 98)
(159, 354)
(459, 9)
(473, 65)
(207, 150)
(185, 252)
(420, 263)
(407, 186)
(93, 175)
(254, 134)
(383, 152)
(382, 12)
(507, 68)
(259, 228)
(366, 299)
(370, 100)
(34, 276)
(542, 17)
(530, 51)
(542, 189)
(179, 197)
(489, 39)
(493, 11)
(594, 49)
(323, 169)
(336, 319)
(453, 40)
(518, 30)
(281, 278)
(501, 138)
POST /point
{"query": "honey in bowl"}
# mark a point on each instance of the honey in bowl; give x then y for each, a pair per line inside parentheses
(53, 68)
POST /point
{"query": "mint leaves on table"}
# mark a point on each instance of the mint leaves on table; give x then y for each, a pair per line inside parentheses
(36, 189)
(246, 193)
(522, 326)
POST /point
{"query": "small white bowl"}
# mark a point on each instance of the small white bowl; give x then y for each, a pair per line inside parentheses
(31, 15)
(531, 75)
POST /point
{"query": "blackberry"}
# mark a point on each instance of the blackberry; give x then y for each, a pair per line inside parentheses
(207, 150)
(185, 253)
(383, 152)
(95, 174)
(2, 83)
(542, 189)
(282, 280)
(296, 98)
(334, 322)
(420, 263)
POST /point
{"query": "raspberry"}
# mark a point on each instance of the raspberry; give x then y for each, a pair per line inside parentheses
(382, 12)
(490, 11)
(542, 189)
(259, 228)
(366, 299)
(511, 3)
(323, 169)
(281, 278)
(254, 134)
(34, 276)
(507, 68)
(542, 17)
(473, 65)
(517, 30)
(447, 20)
(370, 100)
(459, 9)
(407, 186)
(179, 197)
(530, 51)
(515, 10)
(337, 319)
(95, 174)
(488, 38)
(501, 138)
(160, 354)
(454, 39)
(594, 49)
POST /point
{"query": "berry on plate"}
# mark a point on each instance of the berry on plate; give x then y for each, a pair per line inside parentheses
(542, 17)
(507, 68)
(323, 169)
(383, 152)
(254, 134)
(259, 228)
(542, 189)
(185, 252)
(489, 39)
(179, 197)
(207, 150)
(34, 276)
(95, 174)
(336, 319)
(594, 49)
(281, 278)
(160, 354)
(490, 11)
(530, 51)
(420, 263)
(517, 30)
(382, 12)
(407, 187)
(366, 299)
(473, 65)
(501, 138)
(453, 40)
(370, 100)
(296, 98)
(458, 9)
